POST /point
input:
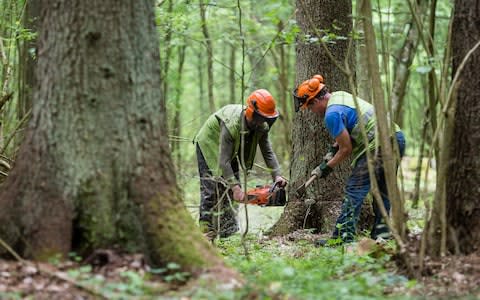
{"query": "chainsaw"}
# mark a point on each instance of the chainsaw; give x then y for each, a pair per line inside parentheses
(267, 195)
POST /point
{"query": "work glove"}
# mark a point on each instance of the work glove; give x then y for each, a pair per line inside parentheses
(322, 170)
(238, 193)
(331, 152)
(281, 181)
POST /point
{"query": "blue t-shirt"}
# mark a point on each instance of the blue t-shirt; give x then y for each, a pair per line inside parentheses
(339, 117)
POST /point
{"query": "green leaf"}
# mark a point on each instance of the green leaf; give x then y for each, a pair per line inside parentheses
(423, 69)
(288, 271)
(173, 266)
(158, 270)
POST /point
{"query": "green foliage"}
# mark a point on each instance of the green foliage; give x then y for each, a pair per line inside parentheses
(55, 259)
(267, 27)
(171, 273)
(274, 270)
(74, 257)
(12, 296)
(130, 283)
(301, 271)
(13, 36)
(81, 272)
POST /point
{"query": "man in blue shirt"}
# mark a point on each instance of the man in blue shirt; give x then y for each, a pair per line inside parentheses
(342, 120)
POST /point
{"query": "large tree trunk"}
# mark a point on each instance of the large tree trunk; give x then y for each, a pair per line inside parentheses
(463, 193)
(95, 168)
(309, 137)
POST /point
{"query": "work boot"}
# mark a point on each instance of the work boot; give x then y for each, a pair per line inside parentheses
(228, 223)
(210, 235)
(208, 231)
(381, 231)
(229, 228)
(320, 243)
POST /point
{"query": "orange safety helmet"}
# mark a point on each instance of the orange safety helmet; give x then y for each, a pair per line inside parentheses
(307, 91)
(260, 104)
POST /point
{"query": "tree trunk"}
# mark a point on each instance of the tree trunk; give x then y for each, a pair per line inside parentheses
(384, 127)
(232, 80)
(364, 91)
(27, 60)
(201, 90)
(309, 137)
(364, 86)
(165, 61)
(95, 168)
(463, 177)
(432, 95)
(255, 53)
(209, 47)
(280, 60)
(177, 125)
(402, 68)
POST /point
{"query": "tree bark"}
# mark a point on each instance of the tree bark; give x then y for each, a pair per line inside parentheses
(280, 60)
(384, 126)
(310, 139)
(165, 61)
(364, 85)
(177, 125)
(463, 194)
(27, 60)
(402, 67)
(95, 168)
(232, 80)
(432, 95)
(209, 47)
(201, 84)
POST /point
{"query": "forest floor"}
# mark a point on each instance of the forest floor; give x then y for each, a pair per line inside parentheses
(281, 268)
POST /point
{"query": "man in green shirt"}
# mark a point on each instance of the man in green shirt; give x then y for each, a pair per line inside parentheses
(229, 138)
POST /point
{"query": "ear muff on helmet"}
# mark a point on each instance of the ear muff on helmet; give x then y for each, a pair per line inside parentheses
(307, 91)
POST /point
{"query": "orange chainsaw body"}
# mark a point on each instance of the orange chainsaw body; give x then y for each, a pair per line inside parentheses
(266, 196)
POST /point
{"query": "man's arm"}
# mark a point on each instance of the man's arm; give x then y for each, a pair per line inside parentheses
(225, 155)
(269, 156)
(345, 149)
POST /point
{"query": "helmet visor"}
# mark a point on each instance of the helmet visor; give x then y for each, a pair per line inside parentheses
(298, 101)
(258, 120)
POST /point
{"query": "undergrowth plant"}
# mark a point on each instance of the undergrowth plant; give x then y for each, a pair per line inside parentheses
(301, 271)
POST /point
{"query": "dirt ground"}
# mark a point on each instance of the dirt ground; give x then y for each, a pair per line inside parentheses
(451, 276)
(446, 278)
(63, 280)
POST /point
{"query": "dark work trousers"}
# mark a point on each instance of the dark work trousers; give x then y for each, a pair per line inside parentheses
(217, 209)
(357, 188)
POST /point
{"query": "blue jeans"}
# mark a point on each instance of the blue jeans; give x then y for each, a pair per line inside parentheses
(358, 186)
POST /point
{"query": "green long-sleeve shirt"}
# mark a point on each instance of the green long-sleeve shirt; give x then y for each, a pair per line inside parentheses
(220, 141)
